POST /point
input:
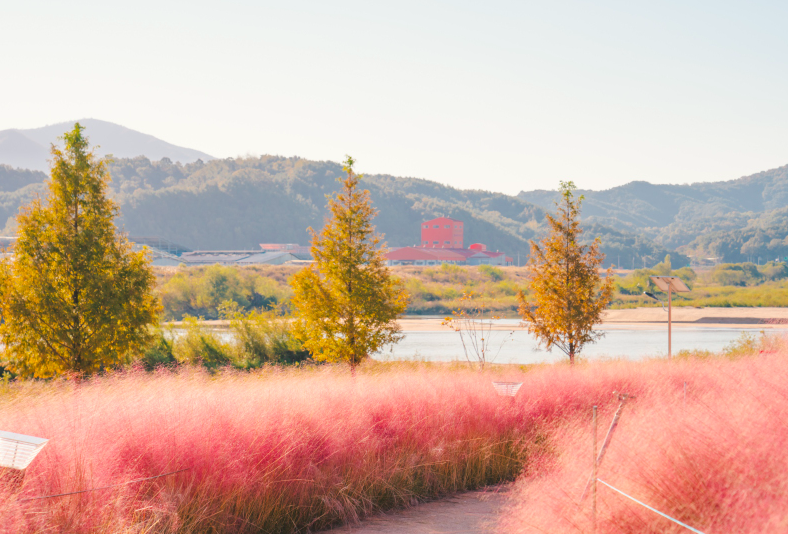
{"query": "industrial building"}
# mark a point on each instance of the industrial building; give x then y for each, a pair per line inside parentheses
(442, 242)
(166, 253)
(442, 232)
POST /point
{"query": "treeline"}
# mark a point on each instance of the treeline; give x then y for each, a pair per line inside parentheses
(206, 291)
(629, 250)
(763, 238)
(238, 203)
(17, 187)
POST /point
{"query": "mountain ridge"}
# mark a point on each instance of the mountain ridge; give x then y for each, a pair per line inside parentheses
(29, 148)
(240, 202)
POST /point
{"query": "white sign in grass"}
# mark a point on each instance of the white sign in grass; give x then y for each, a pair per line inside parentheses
(507, 389)
(18, 450)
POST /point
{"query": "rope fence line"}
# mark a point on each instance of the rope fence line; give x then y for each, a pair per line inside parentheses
(666, 516)
(103, 487)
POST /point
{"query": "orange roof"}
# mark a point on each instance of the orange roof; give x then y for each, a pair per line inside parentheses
(442, 219)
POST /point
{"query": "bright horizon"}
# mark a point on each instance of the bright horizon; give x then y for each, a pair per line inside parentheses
(502, 96)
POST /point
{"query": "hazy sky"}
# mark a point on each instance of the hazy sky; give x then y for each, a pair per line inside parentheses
(490, 94)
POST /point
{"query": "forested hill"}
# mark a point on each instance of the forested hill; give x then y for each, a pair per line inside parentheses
(735, 220)
(645, 205)
(239, 203)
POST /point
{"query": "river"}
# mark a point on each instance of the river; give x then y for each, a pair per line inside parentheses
(517, 346)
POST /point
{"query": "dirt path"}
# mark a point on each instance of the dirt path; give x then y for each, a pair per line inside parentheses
(472, 512)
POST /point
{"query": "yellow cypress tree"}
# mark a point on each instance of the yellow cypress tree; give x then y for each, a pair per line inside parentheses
(567, 294)
(74, 297)
(347, 302)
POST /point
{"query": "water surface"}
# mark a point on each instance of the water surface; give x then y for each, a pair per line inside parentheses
(520, 347)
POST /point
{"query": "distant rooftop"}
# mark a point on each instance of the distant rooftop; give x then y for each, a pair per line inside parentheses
(159, 243)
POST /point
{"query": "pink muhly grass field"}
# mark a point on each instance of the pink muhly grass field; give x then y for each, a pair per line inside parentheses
(300, 450)
(716, 462)
(275, 451)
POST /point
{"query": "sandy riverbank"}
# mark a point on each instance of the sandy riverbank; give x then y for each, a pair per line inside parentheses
(644, 318)
(633, 319)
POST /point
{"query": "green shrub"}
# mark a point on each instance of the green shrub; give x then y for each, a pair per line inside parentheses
(506, 287)
(261, 338)
(159, 352)
(746, 344)
(451, 268)
(200, 346)
(736, 274)
(495, 274)
(774, 271)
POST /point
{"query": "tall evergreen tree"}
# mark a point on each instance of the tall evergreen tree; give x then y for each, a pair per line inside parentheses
(74, 297)
(347, 302)
(567, 294)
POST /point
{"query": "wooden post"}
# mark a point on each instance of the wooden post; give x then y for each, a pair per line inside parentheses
(670, 291)
(622, 397)
(593, 483)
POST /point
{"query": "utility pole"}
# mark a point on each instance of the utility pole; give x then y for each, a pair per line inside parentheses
(670, 308)
(669, 284)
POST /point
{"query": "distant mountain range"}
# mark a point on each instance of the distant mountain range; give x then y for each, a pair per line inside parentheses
(29, 149)
(205, 203)
(735, 220)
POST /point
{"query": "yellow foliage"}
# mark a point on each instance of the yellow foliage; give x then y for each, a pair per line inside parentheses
(347, 303)
(567, 294)
(75, 297)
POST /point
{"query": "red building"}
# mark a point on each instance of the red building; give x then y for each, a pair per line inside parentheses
(442, 232)
(442, 242)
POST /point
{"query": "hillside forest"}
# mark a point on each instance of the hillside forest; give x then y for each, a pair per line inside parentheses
(235, 204)
(734, 221)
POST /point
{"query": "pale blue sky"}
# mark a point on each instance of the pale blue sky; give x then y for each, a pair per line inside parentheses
(493, 95)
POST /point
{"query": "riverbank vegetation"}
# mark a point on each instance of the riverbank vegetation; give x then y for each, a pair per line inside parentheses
(291, 450)
(252, 340)
(438, 290)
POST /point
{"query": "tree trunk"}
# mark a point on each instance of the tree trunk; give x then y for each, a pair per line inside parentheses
(572, 358)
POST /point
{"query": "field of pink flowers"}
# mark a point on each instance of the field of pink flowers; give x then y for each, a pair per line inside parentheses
(713, 459)
(303, 449)
(274, 451)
